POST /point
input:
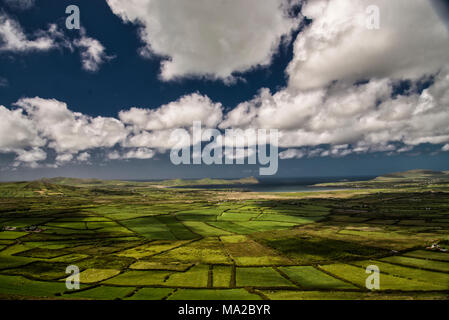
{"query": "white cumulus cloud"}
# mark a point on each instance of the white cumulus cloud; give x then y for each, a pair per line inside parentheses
(209, 38)
(70, 131)
(17, 131)
(30, 157)
(177, 114)
(141, 153)
(412, 41)
(83, 157)
(13, 38)
(93, 53)
(40, 123)
(367, 117)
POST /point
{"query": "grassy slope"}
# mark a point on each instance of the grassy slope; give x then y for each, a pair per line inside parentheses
(168, 183)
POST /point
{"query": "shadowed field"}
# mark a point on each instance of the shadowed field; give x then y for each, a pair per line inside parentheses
(143, 241)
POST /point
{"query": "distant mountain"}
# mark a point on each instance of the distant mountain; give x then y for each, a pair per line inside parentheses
(37, 188)
(49, 187)
(416, 174)
(72, 181)
(167, 183)
(414, 178)
(62, 186)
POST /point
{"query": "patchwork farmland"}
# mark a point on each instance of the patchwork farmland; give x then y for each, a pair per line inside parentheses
(140, 241)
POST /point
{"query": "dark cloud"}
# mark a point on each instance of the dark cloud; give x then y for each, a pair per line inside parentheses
(442, 8)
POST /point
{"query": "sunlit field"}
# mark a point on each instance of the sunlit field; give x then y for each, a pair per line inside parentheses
(147, 241)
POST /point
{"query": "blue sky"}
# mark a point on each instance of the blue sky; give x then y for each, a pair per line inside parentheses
(102, 101)
(126, 81)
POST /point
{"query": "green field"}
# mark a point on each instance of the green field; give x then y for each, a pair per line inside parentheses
(142, 241)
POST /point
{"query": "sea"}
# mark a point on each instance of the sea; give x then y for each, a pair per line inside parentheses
(287, 184)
